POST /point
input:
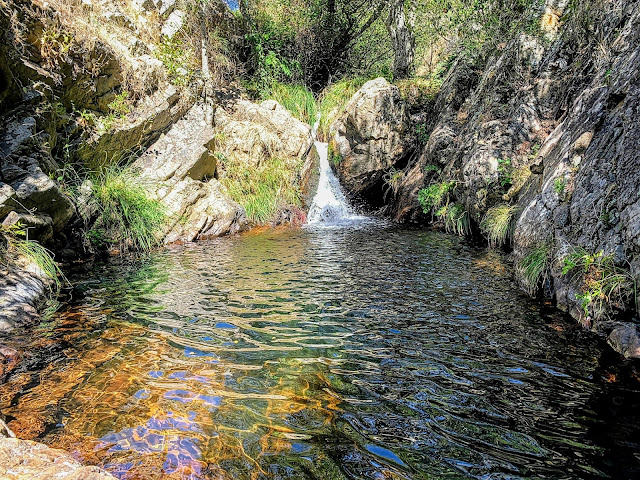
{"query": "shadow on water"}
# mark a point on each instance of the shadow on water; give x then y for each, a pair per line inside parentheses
(367, 352)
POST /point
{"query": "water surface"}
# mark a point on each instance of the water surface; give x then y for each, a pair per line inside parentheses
(370, 352)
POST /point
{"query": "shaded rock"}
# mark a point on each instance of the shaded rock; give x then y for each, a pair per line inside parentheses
(179, 170)
(24, 187)
(38, 227)
(22, 459)
(371, 136)
(625, 339)
(22, 292)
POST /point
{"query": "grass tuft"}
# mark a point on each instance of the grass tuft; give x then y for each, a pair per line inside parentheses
(498, 224)
(297, 99)
(533, 269)
(334, 100)
(263, 191)
(128, 218)
(604, 284)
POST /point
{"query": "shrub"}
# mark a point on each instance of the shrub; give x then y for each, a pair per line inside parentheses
(128, 218)
(419, 92)
(498, 224)
(177, 59)
(604, 284)
(262, 191)
(533, 268)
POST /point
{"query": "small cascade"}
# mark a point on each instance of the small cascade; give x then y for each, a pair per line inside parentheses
(329, 206)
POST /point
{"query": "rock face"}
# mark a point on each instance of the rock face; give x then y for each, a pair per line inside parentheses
(22, 459)
(25, 189)
(371, 136)
(550, 125)
(179, 170)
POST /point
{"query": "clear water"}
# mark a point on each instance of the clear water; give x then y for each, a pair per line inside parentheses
(360, 353)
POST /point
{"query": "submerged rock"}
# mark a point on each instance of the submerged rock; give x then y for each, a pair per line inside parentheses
(370, 137)
(22, 459)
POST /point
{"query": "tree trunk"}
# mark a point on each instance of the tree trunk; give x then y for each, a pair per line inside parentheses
(400, 27)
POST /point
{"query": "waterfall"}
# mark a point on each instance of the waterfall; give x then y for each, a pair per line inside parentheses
(330, 206)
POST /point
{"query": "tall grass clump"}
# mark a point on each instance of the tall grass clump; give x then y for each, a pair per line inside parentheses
(333, 101)
(498, 224)
(128, 218)
(603, 284)
(12, 245)
(263, 191)
(297, 99)
(533, 269)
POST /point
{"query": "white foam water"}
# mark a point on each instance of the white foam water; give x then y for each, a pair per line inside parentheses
(330, 206)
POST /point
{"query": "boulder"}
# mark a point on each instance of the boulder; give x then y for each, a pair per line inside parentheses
(625, 339)
(371, 136)
(22, 291)
(174, 23)
(22, 459)
(249, 132)
(179, 170)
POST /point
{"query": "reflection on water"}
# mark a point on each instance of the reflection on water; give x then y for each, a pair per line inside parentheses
(362, 353)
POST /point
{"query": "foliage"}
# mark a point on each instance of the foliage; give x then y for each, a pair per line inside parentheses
(422, 134)
(264, 190)
(297, 99)
(393, 179)
(505, 172)
(435, 195)
(534, 267)
(604, 284)
(177, 58)
(14, 241)
(128, 218)
(559, 186)
(455, 218)
(333, 102)
(498, 224)
(419, 92)
(436, 198)
(431, 168)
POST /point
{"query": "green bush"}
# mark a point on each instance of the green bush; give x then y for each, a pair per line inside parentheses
(128, 218)
(498, 224)
(435, 195)
(604, 284)
(262, 191)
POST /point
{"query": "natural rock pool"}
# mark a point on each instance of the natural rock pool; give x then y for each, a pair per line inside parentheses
(371, 352)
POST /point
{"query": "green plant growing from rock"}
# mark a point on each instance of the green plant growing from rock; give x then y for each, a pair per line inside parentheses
(262, 191)
(559, 186)
(127, 218)
(498, 224)
(436, 199)
(392, 179)
(435, 195)
(533, 268)
(604, 285)
(505, 172)
(422, 133)
(14, 243)
(177, 59)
